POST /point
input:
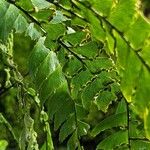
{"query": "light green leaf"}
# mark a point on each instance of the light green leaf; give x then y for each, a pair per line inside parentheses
(122, 14)
(142, 96)
(145, 53)
(103, 6)
(147, 122)
(51, 83)
(97, 29)
(58, 18)
(49, 137)
(140, 26)
(40, 4)
(20, 24)
(3, 144)
(32, 32)
(28, 136)
(129, 73)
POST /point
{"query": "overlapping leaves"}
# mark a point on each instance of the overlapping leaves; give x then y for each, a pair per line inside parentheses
(93, 44)
(129, 47)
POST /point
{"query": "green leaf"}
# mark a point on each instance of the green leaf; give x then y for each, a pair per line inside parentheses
(99, 64)
(54, 31)
(89, 92)
(39, 53)
(8, 16)
(73, 142)
(92, 89)
(110, 122)
(46, 68)
(82, 128)
(95, 24)
(140, 144)
(72, 66)
(136, 129)
(80, 112)
(97, 29)
(62, 115)
(51, 83)
(104, 99)
(8, 125)
(27, 5)
(78, 82)
(110, 42)
(75, 38)
(114, 140)
(52, 88)
(56, 101)
(67, 128)
(89, 50)
(11, 18)
(122, 106)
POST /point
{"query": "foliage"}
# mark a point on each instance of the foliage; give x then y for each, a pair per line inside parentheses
(84, 85)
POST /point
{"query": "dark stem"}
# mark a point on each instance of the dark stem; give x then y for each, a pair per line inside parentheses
(138, 138)
(68, 49)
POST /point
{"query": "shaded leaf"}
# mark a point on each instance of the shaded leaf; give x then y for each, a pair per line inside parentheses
(110, 122)
(114, 140)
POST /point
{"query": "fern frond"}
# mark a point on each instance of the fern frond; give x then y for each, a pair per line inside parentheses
(53, 91)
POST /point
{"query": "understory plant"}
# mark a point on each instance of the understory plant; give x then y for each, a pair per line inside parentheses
(74, 75)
